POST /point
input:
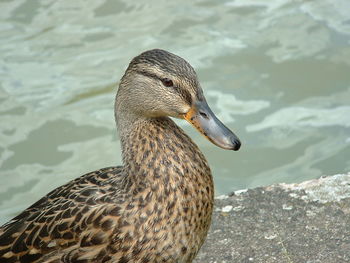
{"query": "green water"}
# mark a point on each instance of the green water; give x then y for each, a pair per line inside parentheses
(276, 72)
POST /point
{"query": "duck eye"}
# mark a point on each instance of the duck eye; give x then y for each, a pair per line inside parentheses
(167, 82)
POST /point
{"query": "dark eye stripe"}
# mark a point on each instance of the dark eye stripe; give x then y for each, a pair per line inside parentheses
(147, 74)
(184, 93)
(187, 96)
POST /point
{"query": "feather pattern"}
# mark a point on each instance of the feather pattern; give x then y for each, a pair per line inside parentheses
(155, 208)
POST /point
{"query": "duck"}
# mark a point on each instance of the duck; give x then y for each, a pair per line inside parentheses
(157, 206)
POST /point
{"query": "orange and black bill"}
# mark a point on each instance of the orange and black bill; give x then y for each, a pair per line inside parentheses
(205, 121)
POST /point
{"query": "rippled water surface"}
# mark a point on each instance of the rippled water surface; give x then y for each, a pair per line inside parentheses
(276, 72)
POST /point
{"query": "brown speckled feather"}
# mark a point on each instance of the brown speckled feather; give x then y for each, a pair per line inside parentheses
(156, 207)
(104, 216)
(56, 220)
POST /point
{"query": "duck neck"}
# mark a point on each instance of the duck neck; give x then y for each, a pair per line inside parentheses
(157, 153)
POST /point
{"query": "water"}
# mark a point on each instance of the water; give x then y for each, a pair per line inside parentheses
(276, 72)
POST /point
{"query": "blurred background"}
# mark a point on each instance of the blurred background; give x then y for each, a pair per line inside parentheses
(276, 72)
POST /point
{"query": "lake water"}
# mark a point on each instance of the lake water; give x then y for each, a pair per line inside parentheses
(276, 72)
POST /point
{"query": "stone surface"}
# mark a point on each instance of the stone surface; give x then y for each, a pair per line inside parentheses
(295, 223)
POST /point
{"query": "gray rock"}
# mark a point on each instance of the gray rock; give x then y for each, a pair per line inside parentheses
(299, 223)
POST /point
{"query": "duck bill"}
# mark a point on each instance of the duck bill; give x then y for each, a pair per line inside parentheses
(205, 121)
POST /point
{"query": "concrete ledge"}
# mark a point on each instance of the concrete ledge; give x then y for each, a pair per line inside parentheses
(307, 223)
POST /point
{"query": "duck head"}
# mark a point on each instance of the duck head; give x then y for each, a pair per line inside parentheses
(158, 83)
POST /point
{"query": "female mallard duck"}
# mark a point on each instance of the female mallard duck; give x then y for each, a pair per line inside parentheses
(155, 208)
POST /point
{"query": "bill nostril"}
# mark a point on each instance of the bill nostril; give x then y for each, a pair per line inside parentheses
(204, 115)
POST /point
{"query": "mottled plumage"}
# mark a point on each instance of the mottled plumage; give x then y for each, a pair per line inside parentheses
(156, 207)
